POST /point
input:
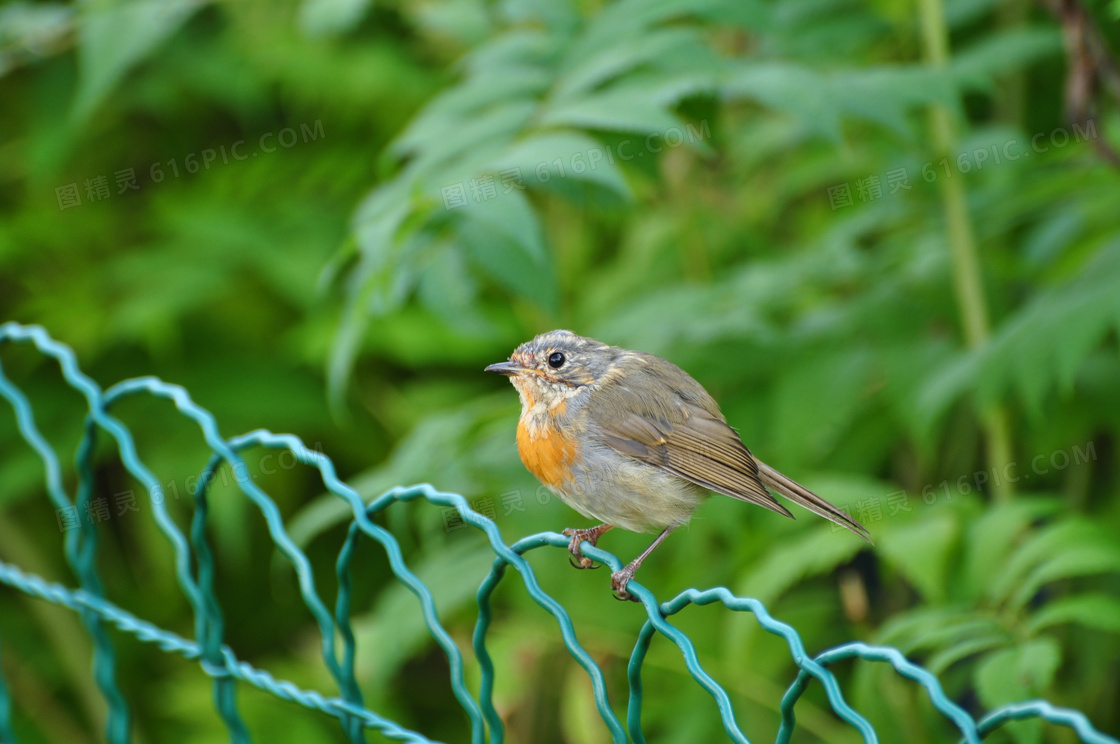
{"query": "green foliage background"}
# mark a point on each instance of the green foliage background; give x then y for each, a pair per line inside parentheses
(941, 358)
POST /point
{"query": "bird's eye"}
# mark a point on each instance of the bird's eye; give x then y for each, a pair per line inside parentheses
(556, 360)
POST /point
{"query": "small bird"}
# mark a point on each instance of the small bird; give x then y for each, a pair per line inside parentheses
(632, 441)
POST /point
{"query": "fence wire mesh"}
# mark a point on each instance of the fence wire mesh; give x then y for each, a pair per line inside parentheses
(194, 571)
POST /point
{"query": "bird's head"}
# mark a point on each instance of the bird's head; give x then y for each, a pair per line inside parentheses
(555, 366)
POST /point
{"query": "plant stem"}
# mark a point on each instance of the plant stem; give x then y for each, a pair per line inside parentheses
(967, 284)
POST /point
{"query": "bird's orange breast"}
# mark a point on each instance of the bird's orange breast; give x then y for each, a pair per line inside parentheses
(547, 452)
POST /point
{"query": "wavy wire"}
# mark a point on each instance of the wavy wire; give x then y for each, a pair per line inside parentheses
(220, 662)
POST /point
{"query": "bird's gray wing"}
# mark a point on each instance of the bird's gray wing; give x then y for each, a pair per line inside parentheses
(653, 423)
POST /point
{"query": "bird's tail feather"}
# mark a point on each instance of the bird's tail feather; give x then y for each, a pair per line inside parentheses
(802, 496)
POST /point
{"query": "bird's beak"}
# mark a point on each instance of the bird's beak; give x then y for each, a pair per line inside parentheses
(509, 369)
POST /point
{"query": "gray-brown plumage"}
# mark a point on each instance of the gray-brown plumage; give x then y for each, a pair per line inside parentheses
(632, 440)
(658, 414)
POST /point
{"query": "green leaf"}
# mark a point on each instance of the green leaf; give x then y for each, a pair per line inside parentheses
(886, 95)
(951, 654)
(502, 236)
(535, 159)
(27, 29)
(623, 108)
(512, 216)
(816, 401)
(961, 13)
(114, 35)
(951, 633)
(466, 21)
(1085, 559)
(978, 65)
(944, 386)
(819, 100)
(323, 17)
(436, 142)
(1016, 674)
(992, 537)
(518, 48)
(370, 286)
(633, 19)
(1098, 611)
(790, 88)
(449, 289)
(969, 627)
(816, 552)
(1074, 318)
(617, 59)
(911, 630)
(921, 552)
(750, 14)
(1041, 558)
(1052, 236)
(444, 116)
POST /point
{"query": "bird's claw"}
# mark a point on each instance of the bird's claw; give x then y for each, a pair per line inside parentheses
(577, 537)
(584, 562)
(619, 580)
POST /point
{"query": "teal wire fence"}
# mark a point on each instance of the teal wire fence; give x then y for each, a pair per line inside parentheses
(194, 571)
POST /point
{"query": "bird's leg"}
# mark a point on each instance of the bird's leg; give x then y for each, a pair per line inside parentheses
(619, 579)
(591, 535)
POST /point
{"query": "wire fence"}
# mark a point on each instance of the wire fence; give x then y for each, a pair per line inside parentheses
(219, 661)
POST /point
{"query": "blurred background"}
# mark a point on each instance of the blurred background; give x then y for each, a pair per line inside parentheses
(885, 235)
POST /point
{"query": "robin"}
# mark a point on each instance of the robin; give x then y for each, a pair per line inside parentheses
(631, 440)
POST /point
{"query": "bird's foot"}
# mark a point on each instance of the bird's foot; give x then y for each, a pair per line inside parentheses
(578, 536)
(619, 580)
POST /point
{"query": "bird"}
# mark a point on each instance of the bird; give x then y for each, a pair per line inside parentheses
(631, 440)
